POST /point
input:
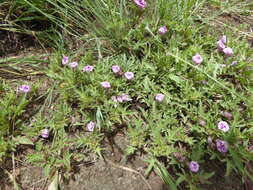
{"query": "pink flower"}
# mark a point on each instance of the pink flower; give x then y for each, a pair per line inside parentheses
(223, 39)
(65, 60)
(194, 166)
(223, 126)
(129, 75)
(73, 64)
(197, 59)
(227, 114)
(121, 98)
(88, 68)
(162, 30)
(228, 51)
(159, 97)
(90, 126)
(105, 84)
(220, 45)
(234, 63)
(141, 3)
(222, 146)
(44, 133)
(24, 88)
(125, 97)
(116, 69)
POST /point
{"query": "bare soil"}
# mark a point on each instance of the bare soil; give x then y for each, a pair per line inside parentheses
(115, 173)
(14, 42)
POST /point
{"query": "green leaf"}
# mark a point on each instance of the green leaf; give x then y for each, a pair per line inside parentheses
(181, 179)
(175, 78)
(229, 168)
(166, 177)
(150, 166)
(23, 140)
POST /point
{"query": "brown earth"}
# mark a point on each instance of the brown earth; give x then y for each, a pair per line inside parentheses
(115, 173)
(14, 42)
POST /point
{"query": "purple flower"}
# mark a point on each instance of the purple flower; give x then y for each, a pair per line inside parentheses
(224, 39)
(24, 88)
(223, 126)
(116, 69)
(141, 3)
(228, 51)
(220, 45)
(159, 97)
(234, 63)
(227, 114)
(222, 146)
(44, 133)
(197, 59)
(194, 166)
(129, 75)
(73, 64)
(90, 126)
(125, 97)
(202, 122)
(65, 60)
(105, 84)
(121, 98)
(162, 30)
(88, 68)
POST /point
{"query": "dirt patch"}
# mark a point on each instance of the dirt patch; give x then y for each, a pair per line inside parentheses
(118, 173)
(100, 176)
(12, 42)
(220, 180)
(113, 173)
(104, 176)
(240, 24)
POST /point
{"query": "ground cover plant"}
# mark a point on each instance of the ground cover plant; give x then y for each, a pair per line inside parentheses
(174, 77)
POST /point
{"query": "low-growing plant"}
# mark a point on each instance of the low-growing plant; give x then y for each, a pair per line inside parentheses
(13, 105)
(180, 91)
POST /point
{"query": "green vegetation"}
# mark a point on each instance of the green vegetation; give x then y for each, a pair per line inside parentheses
(172, 130)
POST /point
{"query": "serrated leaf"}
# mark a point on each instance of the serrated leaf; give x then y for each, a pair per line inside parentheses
(150, 166)
(175, 78)
(23, 140)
